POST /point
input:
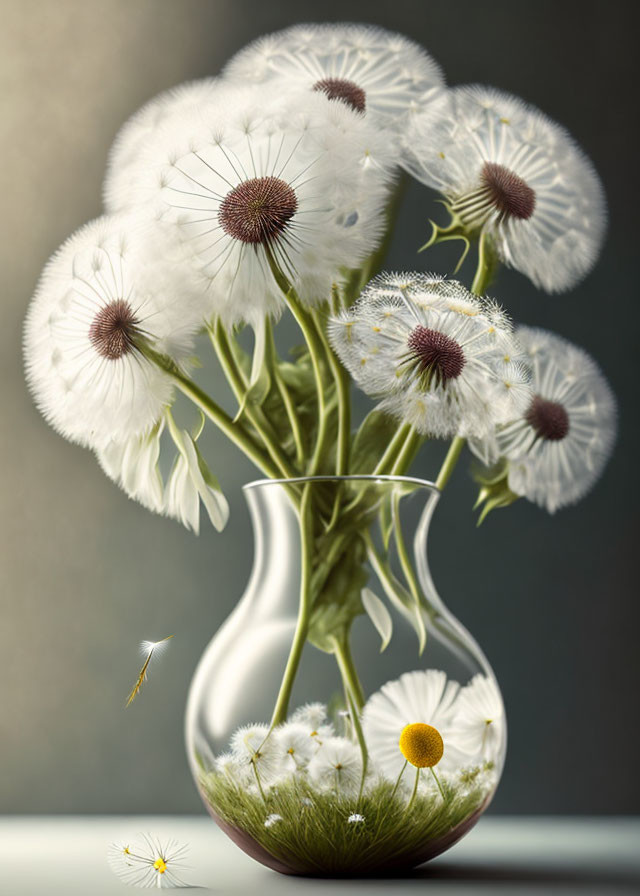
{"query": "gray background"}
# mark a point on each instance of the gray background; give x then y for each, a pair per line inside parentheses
(86, 573)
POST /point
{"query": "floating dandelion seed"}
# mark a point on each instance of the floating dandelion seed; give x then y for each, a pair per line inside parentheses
(356, 818)
(148, 862)
(147, 648)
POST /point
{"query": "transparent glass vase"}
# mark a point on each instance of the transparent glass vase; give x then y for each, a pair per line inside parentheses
(342, 721)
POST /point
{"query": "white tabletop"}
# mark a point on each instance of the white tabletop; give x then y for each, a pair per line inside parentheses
(66, 856)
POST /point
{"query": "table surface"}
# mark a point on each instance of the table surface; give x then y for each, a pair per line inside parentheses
(66, 856)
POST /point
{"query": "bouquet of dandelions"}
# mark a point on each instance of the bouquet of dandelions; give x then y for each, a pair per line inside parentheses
(271, 189)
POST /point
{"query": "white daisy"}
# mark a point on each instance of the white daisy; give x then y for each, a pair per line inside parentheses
(148, 862)
(255, 175)
(97, 297)
(295, 745)
(256, 750)
(440, 358)
(374, 71)
(337, 765)
(478, 725)
(508, 170)
(139, 130)
(424, 697)
(557, 449)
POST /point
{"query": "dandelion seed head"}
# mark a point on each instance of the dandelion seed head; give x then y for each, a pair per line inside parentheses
(549, 419)
(509, 193)
(344, 90)
(258, 210)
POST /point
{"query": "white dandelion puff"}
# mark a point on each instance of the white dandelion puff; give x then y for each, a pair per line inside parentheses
(260, 179)
(376, 72)
(148, 861)
(313, 717)
(139, 131)
(356, 818)
(439, 357)
(512, 173)
(558, 447)
(295, 745)
(98, 296)
(272, 820)
(337, 765)
(255, 749)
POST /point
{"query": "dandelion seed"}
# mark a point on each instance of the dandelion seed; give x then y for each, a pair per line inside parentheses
(272, 820)
(355, 818)
(148, 862)
(148, 649)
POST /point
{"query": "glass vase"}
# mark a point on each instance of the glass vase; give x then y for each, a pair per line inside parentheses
(342, 721)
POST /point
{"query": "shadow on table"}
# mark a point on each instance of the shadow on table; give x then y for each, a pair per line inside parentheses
(607, 880)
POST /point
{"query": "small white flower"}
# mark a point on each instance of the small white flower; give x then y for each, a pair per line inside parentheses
(256, 749)
(505, 168)
(295, 745)
(478, 725)
(441, 358)
(272, 819)
(337, 765)
(355, 818)
(424, 697)
(374, 71)
(557, 449)
(98, 295)
(259, 173)
(313, 717)
(139, 130)
(148, 862)
(227, 764)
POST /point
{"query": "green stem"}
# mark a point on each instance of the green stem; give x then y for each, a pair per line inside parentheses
(238, 383)
(437, 780)
(300, 635)
(234, 431)
(413, 793)
(341, 380)
(287, 401)
(486, 267)
(348, 672)
(391, 452)
(450, 461)
(315, 347)
(407, 453)
(355, 697)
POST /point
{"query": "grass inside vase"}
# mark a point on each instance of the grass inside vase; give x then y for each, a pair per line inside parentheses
(311, 831)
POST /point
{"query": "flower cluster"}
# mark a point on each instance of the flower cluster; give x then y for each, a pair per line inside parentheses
(468, 723)
(439, 357)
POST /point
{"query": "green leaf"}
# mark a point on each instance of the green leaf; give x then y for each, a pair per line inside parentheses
(379, 616)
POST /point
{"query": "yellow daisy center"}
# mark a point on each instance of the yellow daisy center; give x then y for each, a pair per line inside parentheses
(160, 866)
(421, 745)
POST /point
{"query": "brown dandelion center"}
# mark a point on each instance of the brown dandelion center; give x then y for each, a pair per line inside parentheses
(510, 194)
(258, 210)
(437, 354)
(112, 330)
(341, 89)
(549, 419)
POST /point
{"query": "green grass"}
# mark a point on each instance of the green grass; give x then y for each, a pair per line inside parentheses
(314, 836)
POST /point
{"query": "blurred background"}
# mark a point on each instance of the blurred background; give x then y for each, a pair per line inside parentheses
(86, 574)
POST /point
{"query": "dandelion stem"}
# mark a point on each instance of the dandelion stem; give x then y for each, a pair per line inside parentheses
(341, 379)
(308, 330)
(285, 395)
(237, 381)
(234, 431)
(450, 461)
(300, 635)
(487, 264)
